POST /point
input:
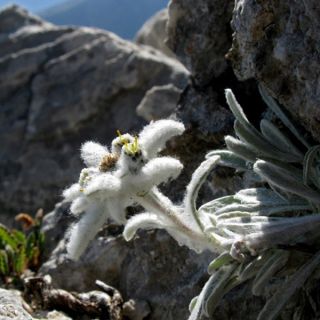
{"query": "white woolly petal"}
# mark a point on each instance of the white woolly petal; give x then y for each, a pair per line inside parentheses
(149, 221)
(92, 153)
(72, 192)
(85, 230)
(79, 205)
(154, 136)
(157, 171)
(143, 221)
(117, 209)
(108, 184)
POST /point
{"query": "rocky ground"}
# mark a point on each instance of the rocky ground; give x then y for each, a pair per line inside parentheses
(61, 86)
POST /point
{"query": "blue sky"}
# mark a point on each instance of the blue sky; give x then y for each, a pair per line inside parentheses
(32, 5)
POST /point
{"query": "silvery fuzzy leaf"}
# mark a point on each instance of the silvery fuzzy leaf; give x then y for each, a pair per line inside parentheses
(210, 293)
(262, 201)
(310, 166)
(250, 135)
(192, 303)
(271, 103)
(212, 298)
(238, 111)
(249, 224)
(285, 180)
(278, 139)
(275, 263)
(276, 303)
(223, 259)
(235, 214)
(229, 159)
(261, 146)
(198, 178)
(251, 268)
(259, 195)
(196, 313)
(284, 231)
(241, 149)
(216, 204)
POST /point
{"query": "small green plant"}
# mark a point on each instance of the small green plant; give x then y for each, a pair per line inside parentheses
(21, 250)
(260, 234)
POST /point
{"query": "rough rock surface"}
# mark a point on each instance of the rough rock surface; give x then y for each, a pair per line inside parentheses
(152, 270)
(153, 33)
(11, 306)
(199, 34)
(159, 102)
(278, 44)
(59, 87)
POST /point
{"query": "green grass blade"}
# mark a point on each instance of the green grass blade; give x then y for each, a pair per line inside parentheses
(6, 238)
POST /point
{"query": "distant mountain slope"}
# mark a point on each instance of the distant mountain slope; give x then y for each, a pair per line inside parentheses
(123, 17)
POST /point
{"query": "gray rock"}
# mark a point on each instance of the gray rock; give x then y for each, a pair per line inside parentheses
(152, 270)
(199, 34)
(159, 102)
(153, 33)
(279, 46)
(51, 315)
(136, 310)
(59, 87)
(11, 306)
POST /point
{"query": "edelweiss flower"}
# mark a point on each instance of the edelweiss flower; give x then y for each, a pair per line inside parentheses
(115, 180)
(182, 223)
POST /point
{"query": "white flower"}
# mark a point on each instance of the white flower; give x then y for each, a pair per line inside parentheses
(182, 223)
(115, 180)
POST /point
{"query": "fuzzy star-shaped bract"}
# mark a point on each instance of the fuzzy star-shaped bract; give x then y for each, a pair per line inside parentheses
(114, 180)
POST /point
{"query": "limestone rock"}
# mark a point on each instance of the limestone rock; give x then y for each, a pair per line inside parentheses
(278, 44)
(199, 34)
(159, 102)
(59, 87)
(11, 306)
(152, 270)
(153, 33)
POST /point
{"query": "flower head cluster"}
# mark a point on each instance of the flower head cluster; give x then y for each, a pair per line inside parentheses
(114, 180)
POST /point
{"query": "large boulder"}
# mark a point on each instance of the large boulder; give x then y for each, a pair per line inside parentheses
(159, 102)
(199, 34)
(278, 44)
(151, 270)
(153, 33)
(61, 86)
